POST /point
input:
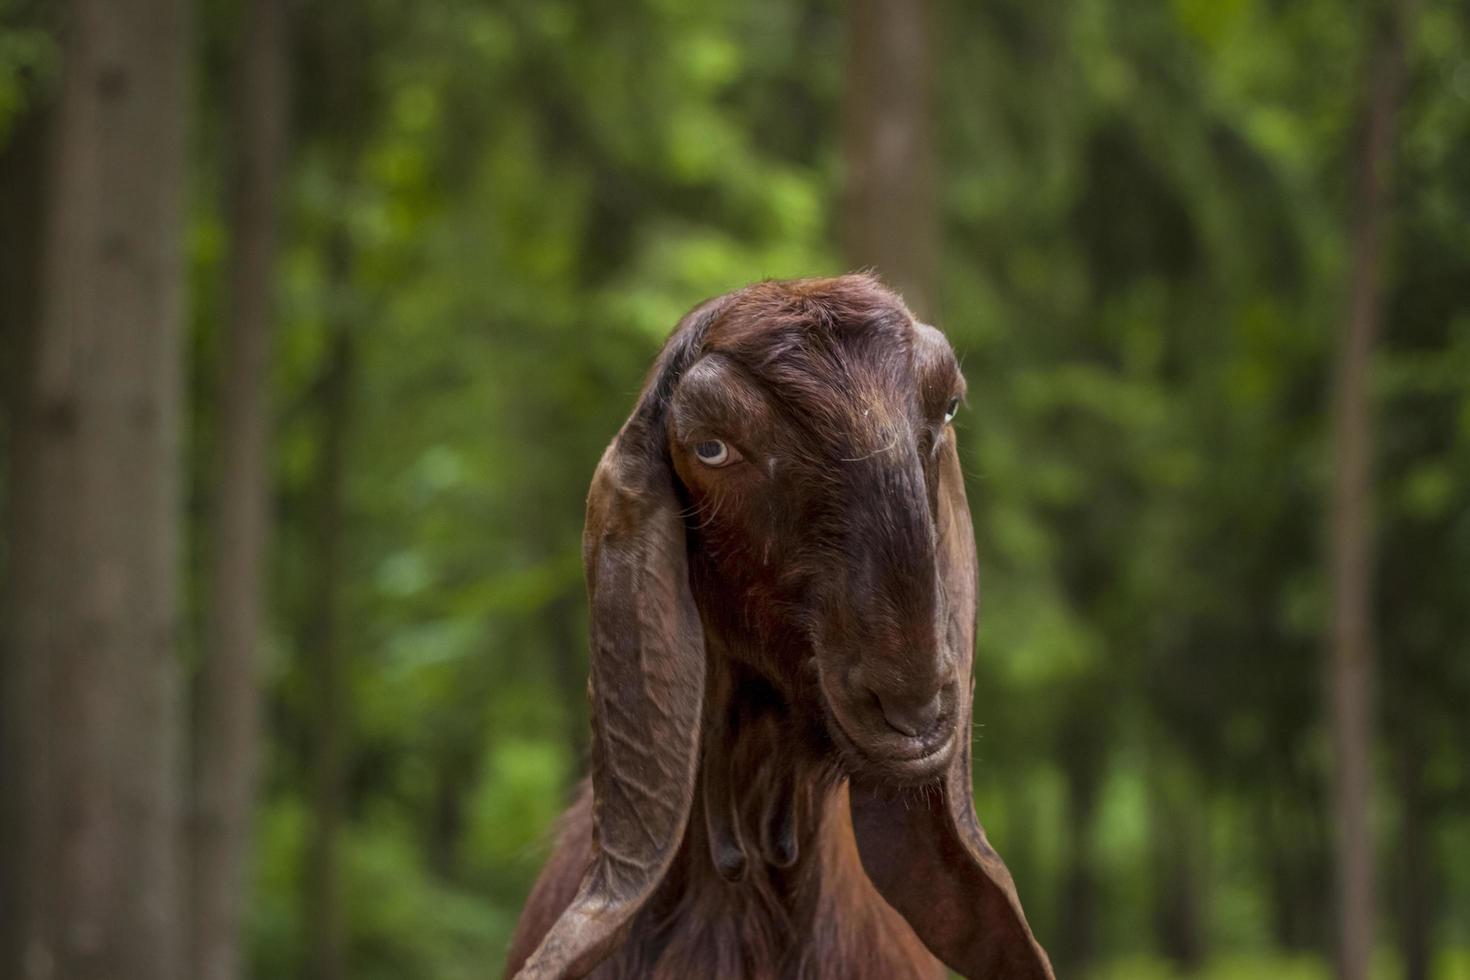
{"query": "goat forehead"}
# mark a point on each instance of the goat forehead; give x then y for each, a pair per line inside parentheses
(853, 391)
(818, 324)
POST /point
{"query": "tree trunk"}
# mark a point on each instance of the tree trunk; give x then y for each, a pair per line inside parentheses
(1292, 822)
(1076, 944)
(453, 782)
(1416, 904)
(22, 172)
(96, 510)
(1281, 869)
(1177, 847)
(889, 216)
(22, 190)
(229, 695)
(325, 921)
(1351, 552)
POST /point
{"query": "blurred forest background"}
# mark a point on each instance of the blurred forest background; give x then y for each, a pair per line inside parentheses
(317, 315)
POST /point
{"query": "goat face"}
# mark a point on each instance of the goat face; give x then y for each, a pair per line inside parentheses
(811, 449)
(787, 493)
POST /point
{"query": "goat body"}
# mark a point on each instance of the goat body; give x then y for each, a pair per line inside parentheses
(817, 918)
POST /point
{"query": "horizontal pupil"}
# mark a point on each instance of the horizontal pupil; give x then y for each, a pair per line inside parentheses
(709, 448)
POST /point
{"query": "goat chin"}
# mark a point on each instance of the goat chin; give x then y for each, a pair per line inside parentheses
(819, 919)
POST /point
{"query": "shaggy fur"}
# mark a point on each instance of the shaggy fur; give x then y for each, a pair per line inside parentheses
(818, 919)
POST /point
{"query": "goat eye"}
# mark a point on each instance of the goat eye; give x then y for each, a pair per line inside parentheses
(712, 452)
(951, 410)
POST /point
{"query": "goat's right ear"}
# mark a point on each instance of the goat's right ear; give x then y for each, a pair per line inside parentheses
(647, 675)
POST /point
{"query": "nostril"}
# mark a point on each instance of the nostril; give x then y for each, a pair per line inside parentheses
(911, 717)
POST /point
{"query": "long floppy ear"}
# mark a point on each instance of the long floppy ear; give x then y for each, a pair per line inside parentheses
(929, 858)
(647, 675)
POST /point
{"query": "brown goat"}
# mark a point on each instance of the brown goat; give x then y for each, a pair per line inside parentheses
(781, 570)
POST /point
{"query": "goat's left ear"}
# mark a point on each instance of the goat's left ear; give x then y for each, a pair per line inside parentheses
(930, 860)
(647, 676)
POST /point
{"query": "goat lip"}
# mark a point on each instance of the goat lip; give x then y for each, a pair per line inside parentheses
(893, 747)
(927, 751)
(898, 758)
(891, 756)
(903, 770)
(924, 768)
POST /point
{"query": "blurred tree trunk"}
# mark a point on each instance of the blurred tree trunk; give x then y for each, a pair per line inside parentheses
(96, 510)
(1292, 890)
(889, 217)
(322, 645)
(454, 780)
(1076, 945)
(229, 697)
(1416, 908)
(1178, 839)
(1351, 551)
(22, 189)
(1276, 869)
(1076, 942)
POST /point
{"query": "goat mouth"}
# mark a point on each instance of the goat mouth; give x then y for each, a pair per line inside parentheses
(911, 766)
(898, 760)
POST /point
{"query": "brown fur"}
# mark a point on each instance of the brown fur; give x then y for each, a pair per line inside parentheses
(781, 663)
(821, 919)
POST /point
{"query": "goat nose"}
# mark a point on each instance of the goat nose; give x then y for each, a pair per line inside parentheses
(913, 717)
